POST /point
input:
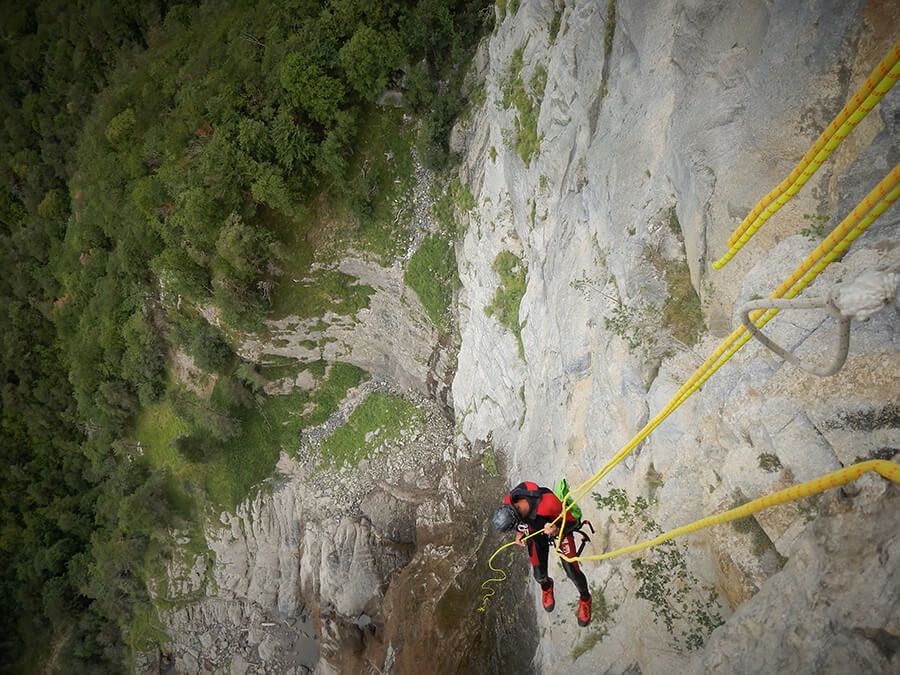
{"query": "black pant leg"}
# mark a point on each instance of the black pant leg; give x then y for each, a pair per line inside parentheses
(539, 551)
(573, 571)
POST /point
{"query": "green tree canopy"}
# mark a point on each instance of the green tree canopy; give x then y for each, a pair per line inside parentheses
(308, 88)
(368, 58)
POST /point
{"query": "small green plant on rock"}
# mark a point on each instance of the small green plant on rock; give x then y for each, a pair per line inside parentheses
(501, 11)
(524, 137)
(451, 201)
(688, 610)
(555, 24)
(432, 274)
(637, 325)
(610, 30)
(505, 306)
(815, 226)
(682, 314)
(489, 462)
(769, 462)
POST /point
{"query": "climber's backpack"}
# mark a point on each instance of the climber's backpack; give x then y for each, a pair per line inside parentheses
(561, 490)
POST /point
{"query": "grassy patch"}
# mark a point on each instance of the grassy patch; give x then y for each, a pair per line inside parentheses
(654, 480)
(450, 202)
(328, 291)
(508, 296)
(539, 81)
(317, 368)
(601, 614)
(380, 418)
(528, 105)
(273, 372)
(489, 462)
(609, 31)
(156, 428)
(145, 630)
(250, 457)
(682, 313)
(267, 427)
(328, 395)
(555, 24)
(591, 640)
(369, 211)
(384, 169)
(431, 273)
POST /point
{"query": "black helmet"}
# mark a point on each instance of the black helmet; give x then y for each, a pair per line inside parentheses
(505, 518)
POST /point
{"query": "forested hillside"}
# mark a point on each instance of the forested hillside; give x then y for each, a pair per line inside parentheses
(164, 167)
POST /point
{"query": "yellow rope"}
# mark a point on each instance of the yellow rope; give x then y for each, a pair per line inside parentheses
(876, 203)
(501, 574)
(867, 97)
(865, 213)
(887, 469)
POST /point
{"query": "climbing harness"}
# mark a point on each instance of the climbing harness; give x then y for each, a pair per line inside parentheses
(841, 302)
(869, 293)
(585, 539)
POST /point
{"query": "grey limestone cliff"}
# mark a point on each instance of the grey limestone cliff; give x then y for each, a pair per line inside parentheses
(618, 146)
(660, 125)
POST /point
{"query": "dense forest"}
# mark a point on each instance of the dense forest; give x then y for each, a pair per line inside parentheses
(160, 161)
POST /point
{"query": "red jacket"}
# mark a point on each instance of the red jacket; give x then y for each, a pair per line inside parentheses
(545, 506)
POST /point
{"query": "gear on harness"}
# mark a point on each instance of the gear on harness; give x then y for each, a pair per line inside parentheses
(585, 539)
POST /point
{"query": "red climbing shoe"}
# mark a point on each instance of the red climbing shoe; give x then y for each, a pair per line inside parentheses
(584, 612)
(547, 598)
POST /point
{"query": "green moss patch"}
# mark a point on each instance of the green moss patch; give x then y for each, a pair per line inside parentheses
(431, 273)
(329, 291)
(380, 418)
(508, 297)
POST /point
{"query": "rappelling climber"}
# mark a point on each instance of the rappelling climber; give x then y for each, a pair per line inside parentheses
(530, 508)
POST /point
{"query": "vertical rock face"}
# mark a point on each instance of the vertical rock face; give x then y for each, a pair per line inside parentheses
(659, 130)
(371, 570)
(619, 146)
(392, 338)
